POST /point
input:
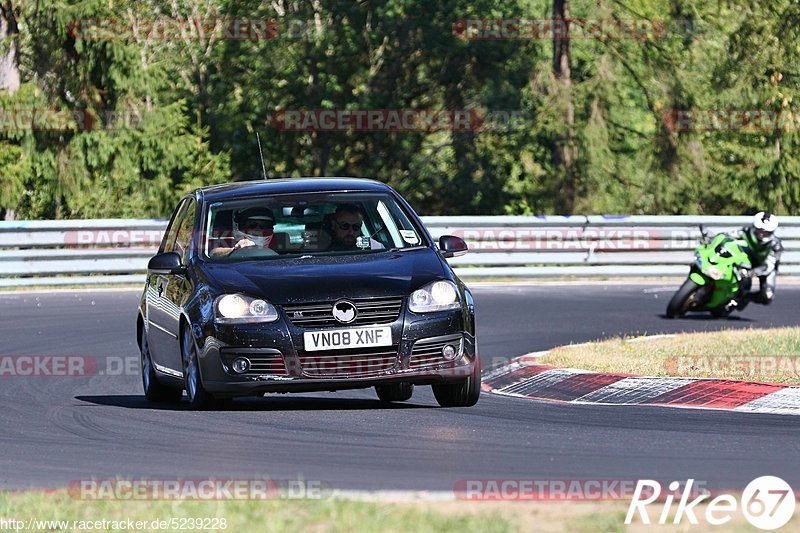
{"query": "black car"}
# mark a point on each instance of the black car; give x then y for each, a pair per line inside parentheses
(300, 285)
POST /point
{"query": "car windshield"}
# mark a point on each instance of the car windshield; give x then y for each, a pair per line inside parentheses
(310, 224)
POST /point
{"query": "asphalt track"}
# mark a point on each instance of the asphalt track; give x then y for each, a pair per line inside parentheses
(58, 429)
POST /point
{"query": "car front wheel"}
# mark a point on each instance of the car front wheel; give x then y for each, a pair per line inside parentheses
(154, 391)
(460, 394)
(199, 398)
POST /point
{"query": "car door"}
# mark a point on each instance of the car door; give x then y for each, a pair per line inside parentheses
(161, 337)
(179, 287)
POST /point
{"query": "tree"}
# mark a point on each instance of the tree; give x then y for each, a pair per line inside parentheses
(129, 147)
(564, 148)
(10, 155)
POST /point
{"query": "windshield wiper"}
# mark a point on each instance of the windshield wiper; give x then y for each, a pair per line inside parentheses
(398, 249)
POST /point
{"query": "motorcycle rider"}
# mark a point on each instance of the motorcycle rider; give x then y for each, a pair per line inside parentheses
(764, 248)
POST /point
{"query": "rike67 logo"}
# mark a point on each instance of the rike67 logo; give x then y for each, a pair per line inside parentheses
(767, 502)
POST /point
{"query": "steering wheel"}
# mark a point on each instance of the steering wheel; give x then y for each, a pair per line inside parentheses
(252, 251)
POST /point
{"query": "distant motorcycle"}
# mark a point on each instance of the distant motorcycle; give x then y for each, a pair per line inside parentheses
(714, 278)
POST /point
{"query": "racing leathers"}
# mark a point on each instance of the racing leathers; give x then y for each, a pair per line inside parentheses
(765, 257)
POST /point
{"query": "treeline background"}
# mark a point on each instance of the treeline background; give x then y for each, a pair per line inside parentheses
(594, 139)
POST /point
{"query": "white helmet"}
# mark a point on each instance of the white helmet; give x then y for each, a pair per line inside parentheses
(763, 226)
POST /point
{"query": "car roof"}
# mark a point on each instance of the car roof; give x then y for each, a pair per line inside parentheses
(244, 189)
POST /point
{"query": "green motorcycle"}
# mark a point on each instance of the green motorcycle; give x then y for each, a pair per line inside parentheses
(714, 278)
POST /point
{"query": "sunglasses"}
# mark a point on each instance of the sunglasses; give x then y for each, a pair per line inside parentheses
(258, 225)
(344, 226)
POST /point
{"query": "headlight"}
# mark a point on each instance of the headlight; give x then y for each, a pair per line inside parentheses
(237, 308)
(436, 296)
(714, 273)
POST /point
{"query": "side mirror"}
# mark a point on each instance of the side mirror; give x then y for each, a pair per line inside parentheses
(166, 263)
(452, 246)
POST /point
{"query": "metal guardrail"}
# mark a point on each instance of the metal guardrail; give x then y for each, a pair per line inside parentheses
(85, 252)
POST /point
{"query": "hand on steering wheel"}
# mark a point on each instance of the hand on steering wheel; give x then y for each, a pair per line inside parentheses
(241, 245)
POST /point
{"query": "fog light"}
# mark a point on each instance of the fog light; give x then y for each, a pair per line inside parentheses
(241, 365)
(449, 352)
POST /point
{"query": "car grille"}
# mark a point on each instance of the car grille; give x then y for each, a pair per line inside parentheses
(272, 365)
(261, 364)
(427, 353)
(370, 311)
(363, 362)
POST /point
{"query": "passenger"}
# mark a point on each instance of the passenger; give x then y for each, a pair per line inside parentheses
(346, 232)
(346, 227)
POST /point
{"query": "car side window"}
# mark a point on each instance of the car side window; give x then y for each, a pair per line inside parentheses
(183, 240)
(168, 243)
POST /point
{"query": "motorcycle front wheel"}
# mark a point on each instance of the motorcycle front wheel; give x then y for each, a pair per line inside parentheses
(684, 299)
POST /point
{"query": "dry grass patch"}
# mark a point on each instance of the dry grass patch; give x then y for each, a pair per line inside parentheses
(752, 355)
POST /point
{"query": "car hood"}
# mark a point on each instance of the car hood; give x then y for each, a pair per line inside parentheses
(283, 281)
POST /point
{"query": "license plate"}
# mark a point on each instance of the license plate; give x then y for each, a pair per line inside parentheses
(337, 339)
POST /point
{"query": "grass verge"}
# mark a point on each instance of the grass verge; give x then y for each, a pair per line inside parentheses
(240, 515)
(330, 515)
(752, 355)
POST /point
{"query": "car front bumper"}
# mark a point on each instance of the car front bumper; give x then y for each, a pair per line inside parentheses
(280, 364)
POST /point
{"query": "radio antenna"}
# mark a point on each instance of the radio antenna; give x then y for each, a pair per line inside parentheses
(261, 156)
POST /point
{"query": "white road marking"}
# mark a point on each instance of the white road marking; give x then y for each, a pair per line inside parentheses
(784, 402)
(634, 390)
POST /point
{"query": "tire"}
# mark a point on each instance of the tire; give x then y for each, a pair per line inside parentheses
(460, 394)
(199, 398)
(397, 392)
(155, 391)
(720, 312)
(682, 300)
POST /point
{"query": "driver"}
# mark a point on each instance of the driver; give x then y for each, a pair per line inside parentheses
(764, 249)
(253, 226)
